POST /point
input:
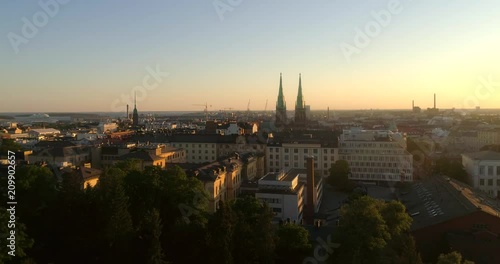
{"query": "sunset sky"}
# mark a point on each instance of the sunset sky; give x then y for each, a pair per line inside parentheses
(90, 53)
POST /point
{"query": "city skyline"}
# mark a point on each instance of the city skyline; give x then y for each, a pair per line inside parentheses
(88, 57)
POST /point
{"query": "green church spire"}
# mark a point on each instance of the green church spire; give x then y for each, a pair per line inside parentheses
(300, 99)
(281, 104)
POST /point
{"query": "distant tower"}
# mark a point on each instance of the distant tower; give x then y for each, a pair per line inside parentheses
(280, 107)
(135, 115)
(300, 107)
(127, 113)
(434, 101)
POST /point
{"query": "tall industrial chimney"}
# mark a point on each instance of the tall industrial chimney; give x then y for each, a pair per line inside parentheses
(311, 192)
(434, 101)
(412, 104)
(127, 111)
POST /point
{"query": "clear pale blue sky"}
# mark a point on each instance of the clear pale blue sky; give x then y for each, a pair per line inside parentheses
(92, 52)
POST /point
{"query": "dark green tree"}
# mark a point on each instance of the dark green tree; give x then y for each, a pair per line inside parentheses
(452, 258)
(36, 190)
(339, 176)
(374, 231)
(23, 242)
(113, 214)
(9, 145)
(220, 235)
(254, 233)
(452, 169)
(151, 233)
(292, 243)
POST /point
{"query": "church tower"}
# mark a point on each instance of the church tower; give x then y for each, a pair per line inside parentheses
(300, 107)
(135, 115)
(280, 107)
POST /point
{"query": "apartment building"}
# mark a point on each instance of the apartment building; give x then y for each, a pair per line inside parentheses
(283, 193)
(293, 155)
(59, 153)
(483, 169)
(376, 155)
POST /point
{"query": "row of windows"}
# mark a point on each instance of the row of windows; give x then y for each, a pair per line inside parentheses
(372, 151)
(378, 164)
(379, 170)
(295, 164)
(325, 172)
(271, 200)
(304, 150)
(369, 145)
(199, 158)
(199, 151)
(378, 177)
(175, 156)
(295, 157)
(187, 145)
(375, 158)
(489, 182)
(489, 169)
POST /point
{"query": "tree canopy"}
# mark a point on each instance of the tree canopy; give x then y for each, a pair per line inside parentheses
(452, 258)
(452, 169)
(339, 176)
(149, 216)
(374, 231)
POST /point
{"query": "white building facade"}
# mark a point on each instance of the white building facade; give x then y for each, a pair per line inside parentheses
(483, 169)
(376, 155)
(284, 194)
(293, 155)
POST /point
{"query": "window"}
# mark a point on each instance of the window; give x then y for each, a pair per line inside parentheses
(481, 170)
(315, 151)
(295, 150)
(305, 151)
(498, 170)
(490, 170)
(490, 182)
(481, 182)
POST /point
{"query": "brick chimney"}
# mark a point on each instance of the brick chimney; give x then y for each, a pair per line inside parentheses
(311, 193)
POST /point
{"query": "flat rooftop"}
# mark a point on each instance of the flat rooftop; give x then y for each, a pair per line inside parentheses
(273, 176)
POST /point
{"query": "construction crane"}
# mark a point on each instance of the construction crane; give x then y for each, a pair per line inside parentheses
(206, 109)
